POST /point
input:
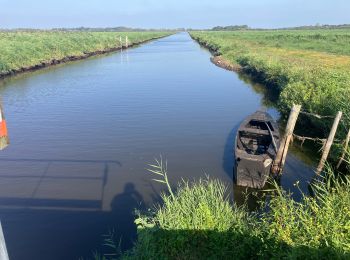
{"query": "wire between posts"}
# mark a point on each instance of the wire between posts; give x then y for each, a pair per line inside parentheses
(315, 115)
(321, 141)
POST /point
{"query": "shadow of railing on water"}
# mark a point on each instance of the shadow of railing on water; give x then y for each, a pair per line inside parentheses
(43, 176)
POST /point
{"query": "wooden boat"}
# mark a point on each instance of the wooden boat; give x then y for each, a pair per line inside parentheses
(255, 149)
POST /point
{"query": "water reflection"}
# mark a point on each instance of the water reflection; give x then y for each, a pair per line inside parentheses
(124, 56)
(228, 158)
(268, 94)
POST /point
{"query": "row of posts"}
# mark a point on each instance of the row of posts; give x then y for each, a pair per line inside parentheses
(280, 159)
(126, 42)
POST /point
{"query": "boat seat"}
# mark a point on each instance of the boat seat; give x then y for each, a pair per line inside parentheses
(253, 146)
(255, 131)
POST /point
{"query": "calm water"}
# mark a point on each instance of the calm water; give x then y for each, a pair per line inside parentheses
(82, 133)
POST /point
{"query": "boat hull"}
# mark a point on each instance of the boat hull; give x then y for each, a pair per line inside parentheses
(251, 173)
(255, 149)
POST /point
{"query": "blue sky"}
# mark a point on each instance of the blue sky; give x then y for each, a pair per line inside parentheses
(171, 13)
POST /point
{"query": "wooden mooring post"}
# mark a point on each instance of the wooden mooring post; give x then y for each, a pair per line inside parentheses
(346, 145)
(126, 41)
(3, 251)
(329, 143)
(120, 41)
(280, 159)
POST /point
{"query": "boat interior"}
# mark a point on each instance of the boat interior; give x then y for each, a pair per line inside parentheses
(255, 137)
(261, 125)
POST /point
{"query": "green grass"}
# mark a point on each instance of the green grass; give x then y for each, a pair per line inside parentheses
(334, 41)
(198, 221)
(307, 67)
(25, 49)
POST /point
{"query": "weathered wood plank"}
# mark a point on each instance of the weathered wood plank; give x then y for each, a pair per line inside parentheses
(329, 143)
(346, 145)
(280, 159)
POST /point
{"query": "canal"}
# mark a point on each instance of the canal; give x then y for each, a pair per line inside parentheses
(83, 133)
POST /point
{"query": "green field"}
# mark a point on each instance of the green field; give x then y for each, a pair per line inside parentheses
(307, 67)
(20, 49)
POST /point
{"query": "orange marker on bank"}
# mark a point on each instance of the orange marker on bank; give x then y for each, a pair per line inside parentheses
(4, 140)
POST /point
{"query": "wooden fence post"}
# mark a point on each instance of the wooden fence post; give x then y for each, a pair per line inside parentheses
(346, 145)
(120, 41)
(126, 41)
(329, 143)
(280, 159)
(3, 251)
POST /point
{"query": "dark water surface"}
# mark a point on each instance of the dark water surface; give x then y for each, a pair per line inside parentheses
(82, 133)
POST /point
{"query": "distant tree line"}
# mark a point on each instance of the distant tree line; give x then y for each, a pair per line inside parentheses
(230, 28)
(319, 26)
(304, 27)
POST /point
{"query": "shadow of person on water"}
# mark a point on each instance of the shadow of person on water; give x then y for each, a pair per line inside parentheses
(123, 213)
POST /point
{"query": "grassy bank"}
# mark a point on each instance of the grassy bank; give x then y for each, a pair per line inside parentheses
(199, 222)
(22, 51)
(308, 67)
